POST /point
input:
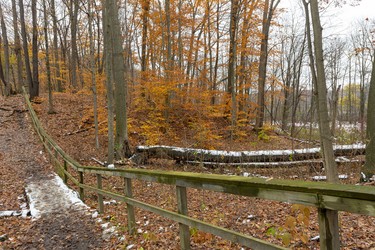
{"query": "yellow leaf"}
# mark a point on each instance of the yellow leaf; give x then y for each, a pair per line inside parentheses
(304, 238)
(290, 222)
(306, 211)
(300, 218)
(286, 239)
(306, 221)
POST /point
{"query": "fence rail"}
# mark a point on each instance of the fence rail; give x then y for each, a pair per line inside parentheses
(324, 196)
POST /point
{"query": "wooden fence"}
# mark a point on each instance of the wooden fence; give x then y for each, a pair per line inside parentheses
(324, 196)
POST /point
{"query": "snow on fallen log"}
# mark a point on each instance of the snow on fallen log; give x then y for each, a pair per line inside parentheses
(202, 155)
(323, 177)
(314, 162)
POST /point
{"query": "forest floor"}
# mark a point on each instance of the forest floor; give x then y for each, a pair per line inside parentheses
(53, 221)
(20, 158)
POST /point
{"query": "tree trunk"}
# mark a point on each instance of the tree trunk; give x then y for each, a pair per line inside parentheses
(35, 77)
(109, 80)
(145, 14)
(73, 32)
(2, 77)
(324, 121)
(368, 168)
(6, 53)
(118, 68)
(93, 73)
(232, 63)
(268, 11)
(29, 78)
(17, 48)
(169, 62)
(48, 67)
(56, 48)
(328, 219)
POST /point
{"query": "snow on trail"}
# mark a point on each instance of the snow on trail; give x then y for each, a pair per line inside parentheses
(47, 196)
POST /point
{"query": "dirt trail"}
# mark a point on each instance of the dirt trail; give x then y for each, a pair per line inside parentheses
(58, 221)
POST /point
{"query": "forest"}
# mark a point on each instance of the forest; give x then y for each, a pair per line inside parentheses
(217, 69)
(128, 80)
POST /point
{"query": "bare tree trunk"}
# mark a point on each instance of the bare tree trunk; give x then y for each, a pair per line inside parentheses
(329, 230)
(232, 62)
(73, 33)
(368, 169)
(93, 73)
(216, 68)
(169, 62)
(117, 67)
(29, 78)
(17, 47)
(35, 77)
(56, 48)
(6, 53)
(145, 14)
(269, 8)
(330, 164)
(48, 67)
(2, 77)
(109, 81)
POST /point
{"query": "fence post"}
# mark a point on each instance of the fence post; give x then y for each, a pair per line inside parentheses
(81, 191)
(100, 196)
(129, 208)
(56, 162)
(328, 229)
(183, 209)
(64, 174)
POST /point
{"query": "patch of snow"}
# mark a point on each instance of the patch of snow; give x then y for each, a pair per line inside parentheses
(6, 213)
(323, 177)
(342, 159)
(105, 225)
(50, 195)
(130, 247)
(23, 205)
(95, 214)
(316, 238)
(110, 202)
(363, 175)
(319, 177)
(108, 233)
(25, 213)
(251, 217)
(343, 176)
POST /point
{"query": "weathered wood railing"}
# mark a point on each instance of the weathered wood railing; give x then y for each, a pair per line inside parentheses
(324, 196)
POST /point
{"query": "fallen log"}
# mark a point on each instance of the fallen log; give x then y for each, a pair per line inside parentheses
(202, 155)
(287, 164)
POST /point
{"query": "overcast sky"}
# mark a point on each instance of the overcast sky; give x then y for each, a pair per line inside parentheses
(340, 19)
